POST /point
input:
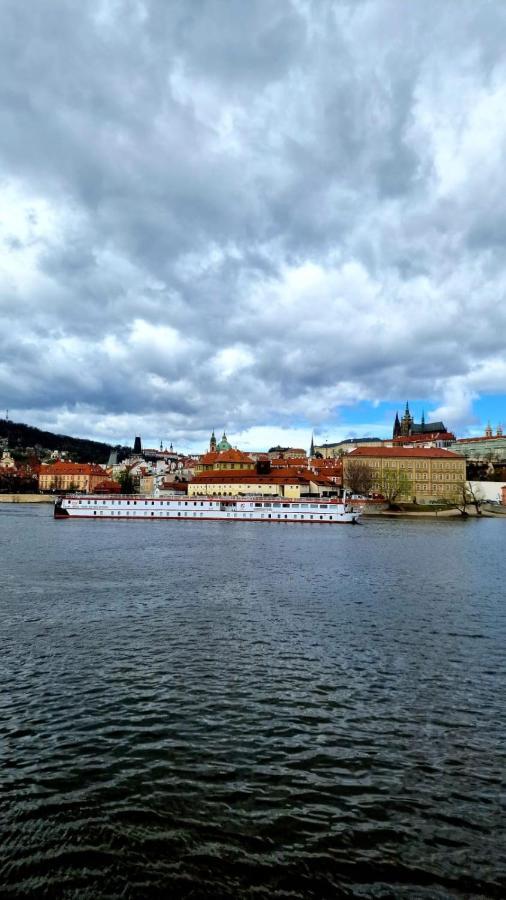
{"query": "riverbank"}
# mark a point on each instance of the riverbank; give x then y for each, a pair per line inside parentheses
(26, 498)
(433, 514)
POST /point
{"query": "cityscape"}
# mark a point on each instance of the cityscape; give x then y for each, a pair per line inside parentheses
(422, 463)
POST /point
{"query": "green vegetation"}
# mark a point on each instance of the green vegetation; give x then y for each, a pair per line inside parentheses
(394, 484)
(22, 436)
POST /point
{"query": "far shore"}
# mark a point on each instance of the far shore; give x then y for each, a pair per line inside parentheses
(436, 514)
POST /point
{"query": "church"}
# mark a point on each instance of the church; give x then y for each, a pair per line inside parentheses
(407, 427)
(220, 446)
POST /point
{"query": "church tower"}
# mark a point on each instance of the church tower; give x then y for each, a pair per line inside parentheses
(406, 422)
(212, 443)
(311, 449)
(397, 426)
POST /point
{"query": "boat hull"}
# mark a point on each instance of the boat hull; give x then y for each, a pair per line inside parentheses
(217, 509)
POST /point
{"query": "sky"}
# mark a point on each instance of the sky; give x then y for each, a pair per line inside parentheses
(269, 218)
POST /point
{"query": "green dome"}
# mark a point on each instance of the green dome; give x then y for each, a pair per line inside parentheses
(223, 444)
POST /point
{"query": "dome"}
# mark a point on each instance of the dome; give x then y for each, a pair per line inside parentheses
(223, 444)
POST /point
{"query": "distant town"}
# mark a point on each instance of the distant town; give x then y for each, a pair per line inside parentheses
(423, 463)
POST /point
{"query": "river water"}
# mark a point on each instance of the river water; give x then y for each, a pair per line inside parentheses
(246, 710)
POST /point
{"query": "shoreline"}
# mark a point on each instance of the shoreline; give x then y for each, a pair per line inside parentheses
(26, 498)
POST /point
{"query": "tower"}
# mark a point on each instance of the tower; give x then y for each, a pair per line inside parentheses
(397, 426)
(212, 443)
(488, 430)
(137, 446)
(406, 422)
(311, 449)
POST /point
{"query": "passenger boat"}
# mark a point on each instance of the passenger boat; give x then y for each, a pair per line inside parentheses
(223, 509)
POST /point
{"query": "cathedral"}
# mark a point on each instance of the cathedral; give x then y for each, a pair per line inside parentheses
(406, 427)
(221, 445)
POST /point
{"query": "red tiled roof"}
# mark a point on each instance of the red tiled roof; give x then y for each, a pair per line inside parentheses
(419, 438)
(228, 456)
(107, 487)
(70, 468)
(404, 452)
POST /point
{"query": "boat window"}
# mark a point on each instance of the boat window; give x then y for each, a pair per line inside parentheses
(286, 505)
(80, 501)
(128, 502)
(323, 506)
(258, 504)
(268, 505)
(276, 505)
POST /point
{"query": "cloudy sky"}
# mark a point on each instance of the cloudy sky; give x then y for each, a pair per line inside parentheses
(269, 217)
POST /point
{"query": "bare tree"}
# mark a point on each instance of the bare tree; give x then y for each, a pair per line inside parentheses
(394, 483)
(358, 476)
(467, 495)
(476, 497)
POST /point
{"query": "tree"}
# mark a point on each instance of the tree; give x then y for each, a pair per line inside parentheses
(466, 495)
(126, 481)
(394, 483)
(475, 497)
(358, 476)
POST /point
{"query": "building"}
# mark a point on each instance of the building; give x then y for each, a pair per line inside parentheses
(231, 460)
(489, 447)
(336, 450)
(432, 473)
(503, 495)
(70, 476)
(406, 427)
(290, 483)
(286, 453)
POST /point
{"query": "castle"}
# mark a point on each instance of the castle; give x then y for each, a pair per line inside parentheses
(406, 427)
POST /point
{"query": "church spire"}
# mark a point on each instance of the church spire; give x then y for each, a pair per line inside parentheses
(397, 426)
(311, 449)
(212, 442)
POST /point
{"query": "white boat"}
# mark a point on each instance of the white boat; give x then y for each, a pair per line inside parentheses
(223, 509)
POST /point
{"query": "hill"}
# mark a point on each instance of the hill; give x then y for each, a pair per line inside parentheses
(21, 436)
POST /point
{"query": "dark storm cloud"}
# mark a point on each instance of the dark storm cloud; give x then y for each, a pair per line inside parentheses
(249, 212)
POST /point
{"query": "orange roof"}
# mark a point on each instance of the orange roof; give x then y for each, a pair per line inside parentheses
(228, 456)
(249, 477)
(404, 453)
(431, 436)
(70, 468)
(107, 486)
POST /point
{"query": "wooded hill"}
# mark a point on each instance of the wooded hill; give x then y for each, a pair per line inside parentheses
(22, 436)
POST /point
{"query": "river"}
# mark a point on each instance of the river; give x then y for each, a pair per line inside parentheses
(247, 710)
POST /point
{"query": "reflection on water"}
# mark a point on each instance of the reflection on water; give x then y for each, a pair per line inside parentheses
(229, 710)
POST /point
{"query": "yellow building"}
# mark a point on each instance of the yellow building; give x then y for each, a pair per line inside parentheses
(276, 483)
(229, 460)
(69, 476)
(432, 473)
